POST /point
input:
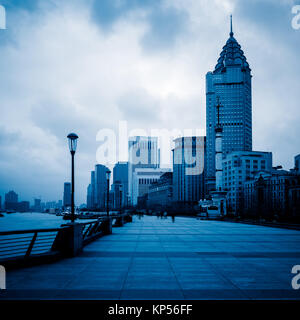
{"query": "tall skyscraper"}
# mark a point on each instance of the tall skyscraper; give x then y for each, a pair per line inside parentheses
(120, 177)
(143, 153)
(93, 190)
(230, 82)
(11, 201)
(67, 194)
(188, 169)
(100, 186)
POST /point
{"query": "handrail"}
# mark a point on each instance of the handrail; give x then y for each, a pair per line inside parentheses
(20, 246)
(3, 233)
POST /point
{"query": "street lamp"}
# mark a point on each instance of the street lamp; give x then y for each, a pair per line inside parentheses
(72, 137)
(108, 172)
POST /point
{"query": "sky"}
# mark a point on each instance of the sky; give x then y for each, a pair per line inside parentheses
(84, 65)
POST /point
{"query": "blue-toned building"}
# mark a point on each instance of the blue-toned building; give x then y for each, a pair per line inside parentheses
(67, 194)
(100, 186)
(120, 183)
(188, 170)
(230, 82)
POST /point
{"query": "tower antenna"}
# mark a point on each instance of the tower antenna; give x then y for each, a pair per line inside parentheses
(231, 30)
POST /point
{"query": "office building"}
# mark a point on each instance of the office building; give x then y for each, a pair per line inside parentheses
(230, 82)
(238, 167)
(188, 170)
(142, 180)
(11, 201)
(120, 183)
(67, 194)
(160, 193)
(142, 153)
(100, 186)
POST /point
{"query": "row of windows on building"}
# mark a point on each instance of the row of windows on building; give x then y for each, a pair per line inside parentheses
(147, 180)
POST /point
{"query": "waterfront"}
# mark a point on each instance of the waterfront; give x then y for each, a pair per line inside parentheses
(31, 220)
(157, 259)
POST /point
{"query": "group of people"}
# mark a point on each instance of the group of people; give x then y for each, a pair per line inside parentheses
(164, 215)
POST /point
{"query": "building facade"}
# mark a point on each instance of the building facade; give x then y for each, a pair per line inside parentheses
(142, 153)
(160, 193)
(230, 82)
(120, 181)
(67, 194)
(189, 169)
(142, 180)
(100, 186)
(273, 194)
(11, 201)
(238, 167)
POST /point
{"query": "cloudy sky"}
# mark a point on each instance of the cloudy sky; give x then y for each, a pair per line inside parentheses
(84, 65)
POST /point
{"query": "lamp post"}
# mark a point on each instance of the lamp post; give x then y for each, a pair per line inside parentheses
(72, 137)
(108, 172)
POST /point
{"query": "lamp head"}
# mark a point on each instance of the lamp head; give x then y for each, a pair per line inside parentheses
(72, 137)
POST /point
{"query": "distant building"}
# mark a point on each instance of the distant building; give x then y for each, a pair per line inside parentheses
(67, 194)
(231, 83)
(0, 202)
(100, 186)
(142, 153)
(160, 193)
(120, 182)
(11, 201)
(188, 170)
(118, 192)
(273, 193)
(37, 205)
(238, 167)
(24, 206)
(142, 180)
(297, 163)
(93, 190)
(89, 203)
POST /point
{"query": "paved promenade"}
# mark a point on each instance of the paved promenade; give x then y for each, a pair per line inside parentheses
(155, 258)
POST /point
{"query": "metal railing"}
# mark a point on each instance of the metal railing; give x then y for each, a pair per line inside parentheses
(25, 245)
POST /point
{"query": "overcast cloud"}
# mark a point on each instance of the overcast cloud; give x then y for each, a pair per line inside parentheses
(84, 65)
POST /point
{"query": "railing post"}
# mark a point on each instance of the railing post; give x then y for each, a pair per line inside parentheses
(107, 226)
(69, 241)
(31, 245)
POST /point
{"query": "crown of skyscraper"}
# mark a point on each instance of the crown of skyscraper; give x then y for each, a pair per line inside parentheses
(231, 55)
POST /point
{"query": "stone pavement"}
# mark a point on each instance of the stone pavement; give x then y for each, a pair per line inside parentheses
(155, 258)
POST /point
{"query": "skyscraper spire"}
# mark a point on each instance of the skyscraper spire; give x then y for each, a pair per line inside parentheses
(231, 32)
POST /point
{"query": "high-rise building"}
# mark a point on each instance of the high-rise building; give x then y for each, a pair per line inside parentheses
(120, 179)
(230, 82)
(67, 194)
(143, 153)
(37, 205)
(188, 169)
(93, 190)
(89, 197)
(0, 202)
(100, 186)
(11, 200)
(91, 193)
